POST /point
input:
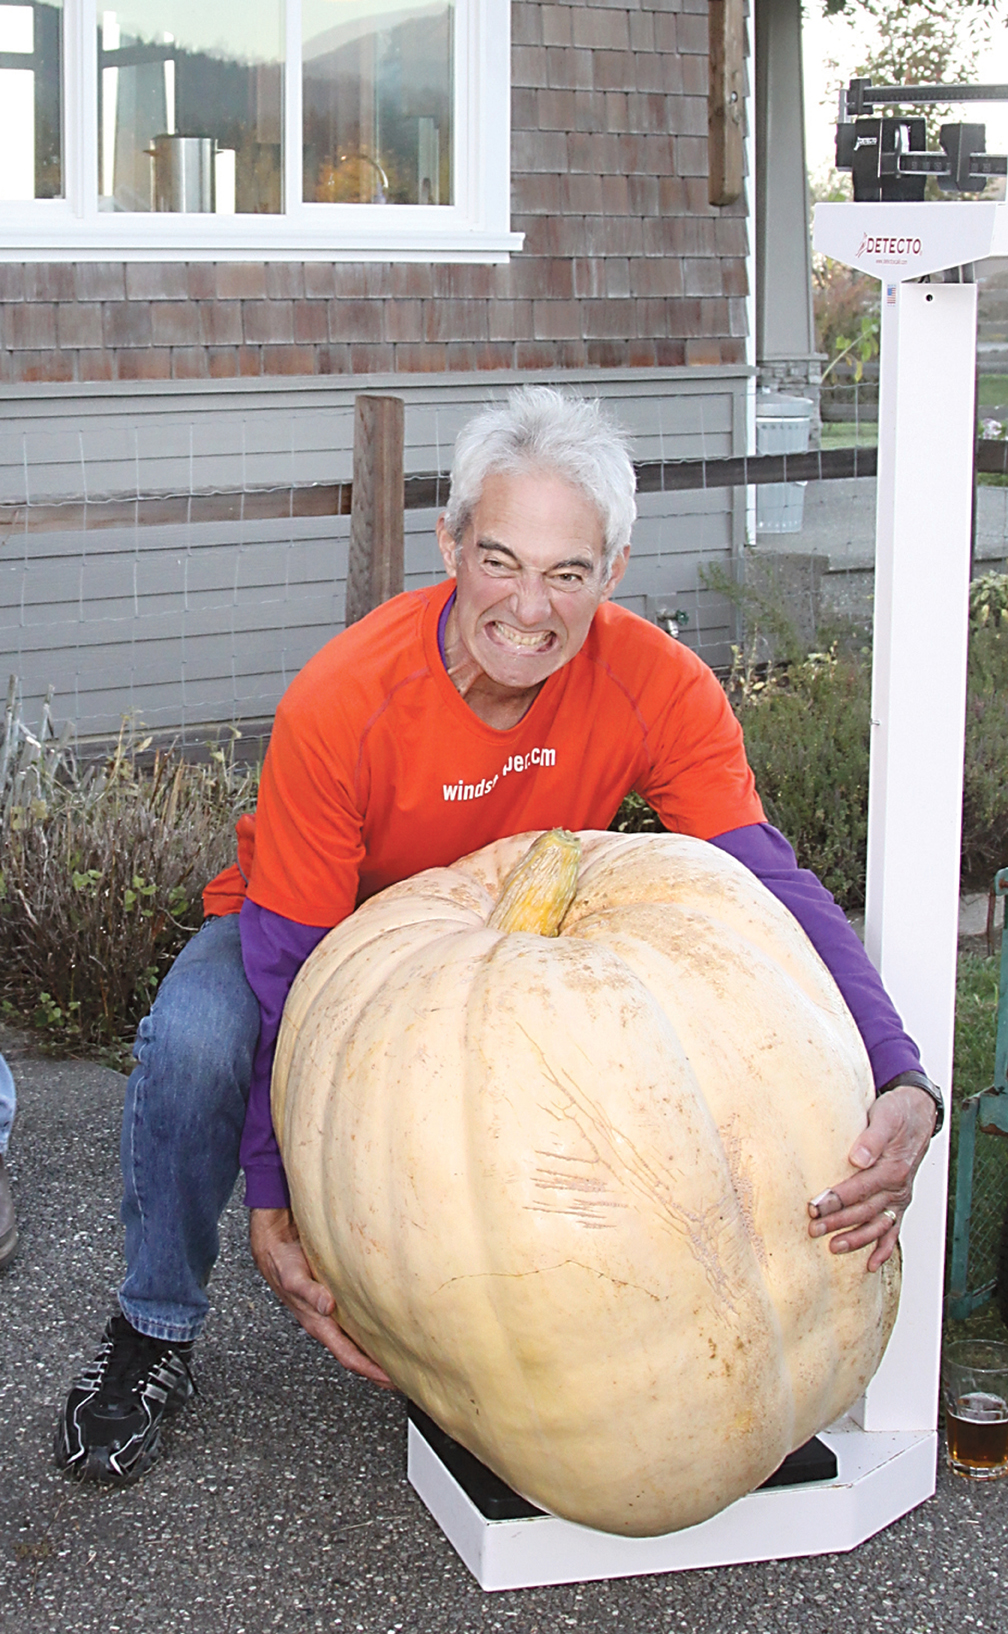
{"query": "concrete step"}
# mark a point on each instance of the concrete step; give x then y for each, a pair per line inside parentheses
(972, 917)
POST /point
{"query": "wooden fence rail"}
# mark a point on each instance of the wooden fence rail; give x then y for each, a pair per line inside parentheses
(380, 493)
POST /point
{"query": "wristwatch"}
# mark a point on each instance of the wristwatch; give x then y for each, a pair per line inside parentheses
(918, 1080)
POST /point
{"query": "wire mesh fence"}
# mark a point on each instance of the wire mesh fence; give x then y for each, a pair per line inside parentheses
(989, 1204)
(977, 1269)
(181, 566)
(178, 565)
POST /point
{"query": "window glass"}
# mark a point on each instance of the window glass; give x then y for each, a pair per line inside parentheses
(31, 136)
(190, 106)
(377, 91)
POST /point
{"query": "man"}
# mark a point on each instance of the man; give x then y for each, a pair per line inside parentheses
(513, 696)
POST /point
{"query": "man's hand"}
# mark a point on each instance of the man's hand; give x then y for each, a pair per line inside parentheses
(869, 1207)
(276, 1249)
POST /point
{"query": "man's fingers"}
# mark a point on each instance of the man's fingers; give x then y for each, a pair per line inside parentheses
(886, 1184)
(885, 1125)
(866, 1209)
(884, 1248)
(339, 1344)
(880, 1210)
(884, 1180)
(845, 1219)
(358, 1361)
(289, 1275)
(313, 1306)
(296, 1280)
(874, 1231)
(869, 1146)
(873, 1223)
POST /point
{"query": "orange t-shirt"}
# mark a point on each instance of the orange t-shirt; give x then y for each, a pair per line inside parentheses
(377, 769)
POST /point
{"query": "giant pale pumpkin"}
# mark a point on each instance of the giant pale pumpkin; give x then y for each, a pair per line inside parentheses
(558, 1183)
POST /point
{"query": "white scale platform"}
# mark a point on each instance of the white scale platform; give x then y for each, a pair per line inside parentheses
(886, 1448)
(880, 1477)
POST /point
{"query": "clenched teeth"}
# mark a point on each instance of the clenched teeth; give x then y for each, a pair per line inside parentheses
(521, 638)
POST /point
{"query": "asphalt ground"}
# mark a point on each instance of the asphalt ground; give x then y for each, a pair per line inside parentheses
(281, 1500)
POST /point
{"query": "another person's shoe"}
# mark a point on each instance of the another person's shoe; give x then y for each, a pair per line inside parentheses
(8, 1224)
(110, 1428)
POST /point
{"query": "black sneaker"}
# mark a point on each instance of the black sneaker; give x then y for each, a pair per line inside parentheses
(110, 1427)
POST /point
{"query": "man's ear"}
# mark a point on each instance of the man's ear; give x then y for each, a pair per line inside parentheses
(446, 545)
(616, 572)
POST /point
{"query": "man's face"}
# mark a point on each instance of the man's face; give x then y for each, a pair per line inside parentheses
(529, 576)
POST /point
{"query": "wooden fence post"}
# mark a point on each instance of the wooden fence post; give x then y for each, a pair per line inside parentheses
(375, 569)
(725, 101)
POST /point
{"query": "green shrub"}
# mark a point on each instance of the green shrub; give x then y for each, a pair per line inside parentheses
(806, 732)
(806, 726)
(636, 817)
(101, 870)
(846, 304)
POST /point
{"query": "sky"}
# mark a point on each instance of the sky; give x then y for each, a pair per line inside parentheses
(824, 37)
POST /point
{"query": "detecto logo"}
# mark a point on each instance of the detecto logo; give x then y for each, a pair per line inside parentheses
(888, 251)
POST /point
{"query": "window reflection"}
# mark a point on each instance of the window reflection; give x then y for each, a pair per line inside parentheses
(377, 90)
(31, 39)
(191, 106)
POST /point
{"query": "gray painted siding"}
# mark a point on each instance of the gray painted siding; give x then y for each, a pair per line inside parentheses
(187, 625)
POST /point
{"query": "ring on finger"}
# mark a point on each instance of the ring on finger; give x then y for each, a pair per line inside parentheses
(890, 1214)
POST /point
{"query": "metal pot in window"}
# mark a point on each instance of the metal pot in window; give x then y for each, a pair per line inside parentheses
(184, 173)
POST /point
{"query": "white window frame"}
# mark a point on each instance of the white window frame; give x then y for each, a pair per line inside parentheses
(476, 227)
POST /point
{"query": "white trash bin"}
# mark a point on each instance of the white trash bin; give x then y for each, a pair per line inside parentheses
(782, 427)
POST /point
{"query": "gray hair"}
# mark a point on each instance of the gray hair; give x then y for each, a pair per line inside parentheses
(538, 428)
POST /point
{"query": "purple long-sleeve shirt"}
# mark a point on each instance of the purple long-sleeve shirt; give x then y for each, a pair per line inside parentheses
(274, 949)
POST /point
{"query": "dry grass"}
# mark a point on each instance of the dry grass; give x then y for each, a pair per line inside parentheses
(101, 869)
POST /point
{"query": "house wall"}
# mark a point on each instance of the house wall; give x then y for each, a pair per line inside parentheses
(174, 379)
(625, 263)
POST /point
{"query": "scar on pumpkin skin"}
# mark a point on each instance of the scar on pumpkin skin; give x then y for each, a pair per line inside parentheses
(544, 1270)
(694, 1227)
(555, 1182)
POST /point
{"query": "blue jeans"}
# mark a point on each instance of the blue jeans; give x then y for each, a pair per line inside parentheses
(182, 1124)
(8, 1102)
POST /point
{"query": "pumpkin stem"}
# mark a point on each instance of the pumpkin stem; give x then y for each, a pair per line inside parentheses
(539, 889)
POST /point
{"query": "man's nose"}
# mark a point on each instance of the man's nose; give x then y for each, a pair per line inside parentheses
(532, 602)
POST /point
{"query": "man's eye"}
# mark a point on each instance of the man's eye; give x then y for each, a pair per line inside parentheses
(571, 579)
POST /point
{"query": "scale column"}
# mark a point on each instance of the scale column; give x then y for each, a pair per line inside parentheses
(925, 481)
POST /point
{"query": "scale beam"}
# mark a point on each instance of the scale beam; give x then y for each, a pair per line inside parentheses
(888, 157)
(861, 97)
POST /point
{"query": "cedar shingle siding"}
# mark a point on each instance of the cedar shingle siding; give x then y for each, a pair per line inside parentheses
(625, 263)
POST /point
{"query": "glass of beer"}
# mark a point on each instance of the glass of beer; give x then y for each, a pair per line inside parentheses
(975, 1392)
